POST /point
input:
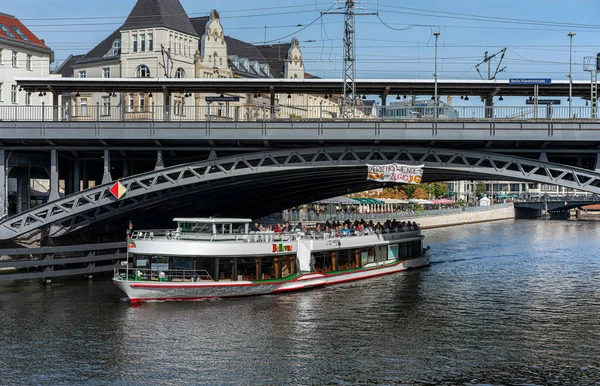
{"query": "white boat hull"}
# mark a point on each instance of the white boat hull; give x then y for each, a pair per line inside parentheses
(140, 291)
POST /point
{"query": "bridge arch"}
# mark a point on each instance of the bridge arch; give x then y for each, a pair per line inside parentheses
(251, 184)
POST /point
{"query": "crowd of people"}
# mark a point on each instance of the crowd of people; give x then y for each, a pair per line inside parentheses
(337, 229)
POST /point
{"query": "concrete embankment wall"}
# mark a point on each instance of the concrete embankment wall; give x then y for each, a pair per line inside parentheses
(467, 217)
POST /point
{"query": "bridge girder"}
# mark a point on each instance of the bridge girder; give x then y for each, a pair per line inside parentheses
(279, 178)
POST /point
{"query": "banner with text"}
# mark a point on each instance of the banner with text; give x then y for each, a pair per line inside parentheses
(401, 174)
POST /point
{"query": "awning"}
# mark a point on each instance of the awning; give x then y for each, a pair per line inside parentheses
(420, 202)
(368, 200)
(443, 201)
(337, 200)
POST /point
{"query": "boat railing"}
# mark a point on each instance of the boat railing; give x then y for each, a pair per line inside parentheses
(265, 236)
(171, 275)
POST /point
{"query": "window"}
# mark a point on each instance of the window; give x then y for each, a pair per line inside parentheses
(106, 72)
(171, 41)
(28, 62)
(28, 99)
(84, 107)
(190, 48)
(15, 63)
(116, 48)
(21, 34)
(180, 46)
(83, 74)
(7, 31)
(180, 73)
(1, 52)
(131, 103)
(106, 105)
(142, 71)
(13, 94)
(150, 42)
(215, 59)
(1, 94)
(142, 100)
(142, 42)
(135, 43)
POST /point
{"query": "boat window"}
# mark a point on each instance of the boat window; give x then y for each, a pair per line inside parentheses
(367, 255)
(393, 252)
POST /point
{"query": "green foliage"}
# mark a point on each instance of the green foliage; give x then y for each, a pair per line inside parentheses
(480, 188)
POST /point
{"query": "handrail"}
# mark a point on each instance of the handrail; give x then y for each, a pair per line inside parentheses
(292, 113)
(145, 274)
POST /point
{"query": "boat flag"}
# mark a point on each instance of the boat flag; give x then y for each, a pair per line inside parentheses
(118, 190)
(130, 242)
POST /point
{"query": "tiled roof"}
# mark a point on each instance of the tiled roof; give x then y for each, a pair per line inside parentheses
(275, 56)
(199, 24)
(66, 67)
(100, 52)
(243, 49)
(18, 33)
(159, 13)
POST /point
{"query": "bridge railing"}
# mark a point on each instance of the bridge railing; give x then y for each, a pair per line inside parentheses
(105, 112)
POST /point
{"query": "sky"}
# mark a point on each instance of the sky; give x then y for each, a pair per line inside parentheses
(396, 43)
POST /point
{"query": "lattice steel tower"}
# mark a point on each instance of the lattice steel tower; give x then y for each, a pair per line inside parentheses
(349, 91)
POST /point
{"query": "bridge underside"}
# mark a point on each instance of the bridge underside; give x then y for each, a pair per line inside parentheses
(258, 184)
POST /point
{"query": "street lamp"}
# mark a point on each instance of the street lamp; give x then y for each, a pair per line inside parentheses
(570, 35)
(435, 75)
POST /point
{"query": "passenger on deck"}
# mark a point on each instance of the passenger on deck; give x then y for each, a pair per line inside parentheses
(415, 225)
(255, 228)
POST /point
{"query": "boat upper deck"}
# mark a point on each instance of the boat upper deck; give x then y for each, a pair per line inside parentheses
(238, 230)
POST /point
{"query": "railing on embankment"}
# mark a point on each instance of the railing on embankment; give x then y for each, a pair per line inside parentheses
(295, 217)
(58, 262)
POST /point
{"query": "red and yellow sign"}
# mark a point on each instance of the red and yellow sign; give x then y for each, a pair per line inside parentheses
(282, 248)
(118, 190)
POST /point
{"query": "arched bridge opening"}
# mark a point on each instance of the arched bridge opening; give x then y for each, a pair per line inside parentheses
(257, 184)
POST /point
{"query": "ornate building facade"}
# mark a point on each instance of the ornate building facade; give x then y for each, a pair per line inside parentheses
(159, 40)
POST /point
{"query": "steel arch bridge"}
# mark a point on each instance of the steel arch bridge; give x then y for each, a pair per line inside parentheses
(257, 184)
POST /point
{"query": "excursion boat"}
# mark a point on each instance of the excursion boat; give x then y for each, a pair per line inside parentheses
(218, 258)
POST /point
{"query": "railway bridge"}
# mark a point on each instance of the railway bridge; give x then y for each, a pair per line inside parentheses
(199, 165)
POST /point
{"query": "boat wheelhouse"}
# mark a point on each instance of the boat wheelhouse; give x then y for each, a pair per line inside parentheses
(223, 257)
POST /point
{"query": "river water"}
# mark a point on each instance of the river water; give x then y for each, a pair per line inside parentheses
(512, 302)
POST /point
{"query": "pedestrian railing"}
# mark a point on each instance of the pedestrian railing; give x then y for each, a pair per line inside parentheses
(226, 112)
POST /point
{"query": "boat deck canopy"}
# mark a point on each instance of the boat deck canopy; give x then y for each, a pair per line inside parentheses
(214, 220)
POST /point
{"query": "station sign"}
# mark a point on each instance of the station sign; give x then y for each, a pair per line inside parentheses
(222, 99)
(543, 102)
(530, 81)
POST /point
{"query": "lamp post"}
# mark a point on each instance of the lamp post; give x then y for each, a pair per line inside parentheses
(570, 35)
(435, 75)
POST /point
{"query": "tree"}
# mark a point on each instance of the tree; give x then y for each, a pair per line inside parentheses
(420, 193)
(480, 188)
(438, 189)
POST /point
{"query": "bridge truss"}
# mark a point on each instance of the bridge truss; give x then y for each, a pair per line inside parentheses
(265, 178)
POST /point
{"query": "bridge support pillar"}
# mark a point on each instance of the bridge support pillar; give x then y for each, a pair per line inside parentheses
(22, 175)
(543, 157)
(272, 95)
(160, 161)
(3, 183)
(54, 195)
(55, 109)
(84, 176)
(489, 107)
(76, 180)
(106, 177)
(167, 107)
(597, 167)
